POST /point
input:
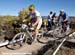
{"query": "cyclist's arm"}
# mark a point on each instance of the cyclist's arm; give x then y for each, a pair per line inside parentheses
(36, 22)
(67, 18)
(27, 18)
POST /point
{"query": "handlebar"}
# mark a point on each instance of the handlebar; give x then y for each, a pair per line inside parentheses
(25, 27)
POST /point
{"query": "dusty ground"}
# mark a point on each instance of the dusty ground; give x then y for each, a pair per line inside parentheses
(41, 49)
(26, 49)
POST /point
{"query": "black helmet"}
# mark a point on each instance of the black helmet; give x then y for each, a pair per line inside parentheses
(51, 12)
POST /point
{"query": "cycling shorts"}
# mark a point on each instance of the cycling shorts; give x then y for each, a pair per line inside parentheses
(39, 24)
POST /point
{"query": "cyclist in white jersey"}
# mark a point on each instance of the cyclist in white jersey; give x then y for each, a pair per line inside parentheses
(36, 19)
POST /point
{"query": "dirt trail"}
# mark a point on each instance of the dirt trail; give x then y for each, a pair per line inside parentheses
(26, 49)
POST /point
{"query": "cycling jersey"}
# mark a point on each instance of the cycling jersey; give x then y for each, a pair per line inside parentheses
(36, 16)
(50, 17)
(63, 17)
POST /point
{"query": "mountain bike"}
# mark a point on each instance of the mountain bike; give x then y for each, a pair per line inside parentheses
(55, 33)
(23, 37)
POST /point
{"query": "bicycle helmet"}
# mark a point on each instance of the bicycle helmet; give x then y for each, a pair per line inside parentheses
(31, 7)
(62, 10)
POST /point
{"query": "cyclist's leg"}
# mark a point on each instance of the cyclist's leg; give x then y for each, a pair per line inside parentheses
(37, 30)
(49, 27)
(64, 26)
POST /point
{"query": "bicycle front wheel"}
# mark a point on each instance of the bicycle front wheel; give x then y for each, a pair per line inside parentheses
(43, 39)
(17, 41)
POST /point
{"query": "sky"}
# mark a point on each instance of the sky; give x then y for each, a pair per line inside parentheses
(12, 7)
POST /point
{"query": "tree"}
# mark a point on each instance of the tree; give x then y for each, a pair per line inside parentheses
(9, 20)
(6, 26)
(24, 15)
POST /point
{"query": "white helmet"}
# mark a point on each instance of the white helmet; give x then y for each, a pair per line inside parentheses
(62, 10)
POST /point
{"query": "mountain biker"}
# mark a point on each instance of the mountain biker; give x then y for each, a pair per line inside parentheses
(36, 20)
(49, 20)
(55, 19)
(63, 18)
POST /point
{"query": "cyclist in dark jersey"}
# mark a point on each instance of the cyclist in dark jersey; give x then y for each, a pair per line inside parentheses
(64, 20)
(50, 21)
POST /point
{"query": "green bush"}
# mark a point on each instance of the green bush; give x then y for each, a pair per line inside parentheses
(24, 16)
